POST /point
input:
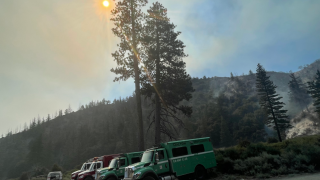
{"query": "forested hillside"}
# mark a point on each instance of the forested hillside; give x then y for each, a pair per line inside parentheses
(224, 108)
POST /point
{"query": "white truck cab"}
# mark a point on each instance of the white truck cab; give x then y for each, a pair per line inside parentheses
(56, 175)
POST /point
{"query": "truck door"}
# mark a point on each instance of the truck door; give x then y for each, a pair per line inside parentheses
(99, 165)
(123, 163)
(180, 161)
(163, 164)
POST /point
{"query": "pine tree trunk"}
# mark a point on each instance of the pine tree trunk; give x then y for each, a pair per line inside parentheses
(137, 82)
(158, 105)
(274, 118)
(275, 121)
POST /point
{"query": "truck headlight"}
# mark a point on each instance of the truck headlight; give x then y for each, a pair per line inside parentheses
(81, 176)
(101, 177)
(136, 175)
(73, 175)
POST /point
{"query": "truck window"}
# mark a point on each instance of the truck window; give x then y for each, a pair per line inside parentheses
(113, 163)
(135, 160)
(87, 166)
(98, 165)
(147, 156)
(161, 154)
(197, 148)
(180, 151)
(122, 162)
(83, 167)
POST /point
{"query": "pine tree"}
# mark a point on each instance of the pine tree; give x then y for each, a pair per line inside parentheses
(36, 151)
(38, 121)
(55, 167)
(225, 135)
(69, 109)
(166, 80)
(48, 118)
(25, 127)
(231, 76)
(66, 112)
(298, 94)
(60, 113)
(127, 16)
(314, 91)
(269, 100)
(33, 123)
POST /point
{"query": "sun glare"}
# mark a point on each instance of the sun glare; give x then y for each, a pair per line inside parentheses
(105, 3)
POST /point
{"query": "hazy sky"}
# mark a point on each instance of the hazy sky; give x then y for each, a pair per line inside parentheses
(56, 52)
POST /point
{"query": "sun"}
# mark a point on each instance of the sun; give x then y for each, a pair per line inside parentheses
(106, 3)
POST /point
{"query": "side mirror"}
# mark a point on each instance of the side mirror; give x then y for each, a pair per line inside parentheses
(157, 157)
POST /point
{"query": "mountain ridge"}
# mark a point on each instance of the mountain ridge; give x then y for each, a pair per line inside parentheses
(106, 128)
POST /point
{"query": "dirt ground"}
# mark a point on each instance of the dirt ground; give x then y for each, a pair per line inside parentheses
(314, 176)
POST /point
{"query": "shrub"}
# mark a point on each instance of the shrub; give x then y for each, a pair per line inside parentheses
(262, 164)
(271, 159)
(279, 171)
(253, 150)
(232, 153)
(55, 167)
(273, 150)
(263, 176)
(225, 165)
(272, 140)
(244, 143)
(24, 176)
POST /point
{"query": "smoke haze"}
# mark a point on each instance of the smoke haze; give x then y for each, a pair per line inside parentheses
(56, 53)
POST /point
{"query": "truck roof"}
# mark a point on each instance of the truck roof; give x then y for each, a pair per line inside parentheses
(131, 154)
(186, 141)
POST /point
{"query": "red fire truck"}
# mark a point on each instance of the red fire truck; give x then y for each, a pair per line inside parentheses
(98, 162)
(84, 167)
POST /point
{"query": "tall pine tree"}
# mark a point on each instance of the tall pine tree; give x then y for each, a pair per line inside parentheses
(314, 90)
(269, 100)
(225, 135)
(163, 59)
(298, 94)
(127, 16)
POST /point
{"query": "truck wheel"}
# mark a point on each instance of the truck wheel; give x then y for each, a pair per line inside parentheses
(111, 178)
(148, 178)
(88, 178)
(200, 173)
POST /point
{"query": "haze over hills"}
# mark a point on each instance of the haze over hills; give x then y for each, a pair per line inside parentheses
(103, 127)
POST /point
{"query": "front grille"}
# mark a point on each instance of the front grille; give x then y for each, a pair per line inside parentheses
(128, 173)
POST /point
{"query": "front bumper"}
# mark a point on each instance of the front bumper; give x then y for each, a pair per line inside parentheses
(127, 178)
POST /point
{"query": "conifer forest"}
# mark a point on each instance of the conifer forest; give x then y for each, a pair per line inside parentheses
(238, 112)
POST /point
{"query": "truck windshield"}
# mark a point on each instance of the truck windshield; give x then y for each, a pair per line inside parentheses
(93, 166)
(147, 156)
(113, 163)
(83, 167)
(87, 166)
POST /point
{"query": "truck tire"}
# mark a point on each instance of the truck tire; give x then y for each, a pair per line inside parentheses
(148, 178)
(88, 178)
(111, 178)
(200, 173)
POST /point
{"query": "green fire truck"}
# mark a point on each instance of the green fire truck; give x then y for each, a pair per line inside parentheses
(174, 159)
(116, 167)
